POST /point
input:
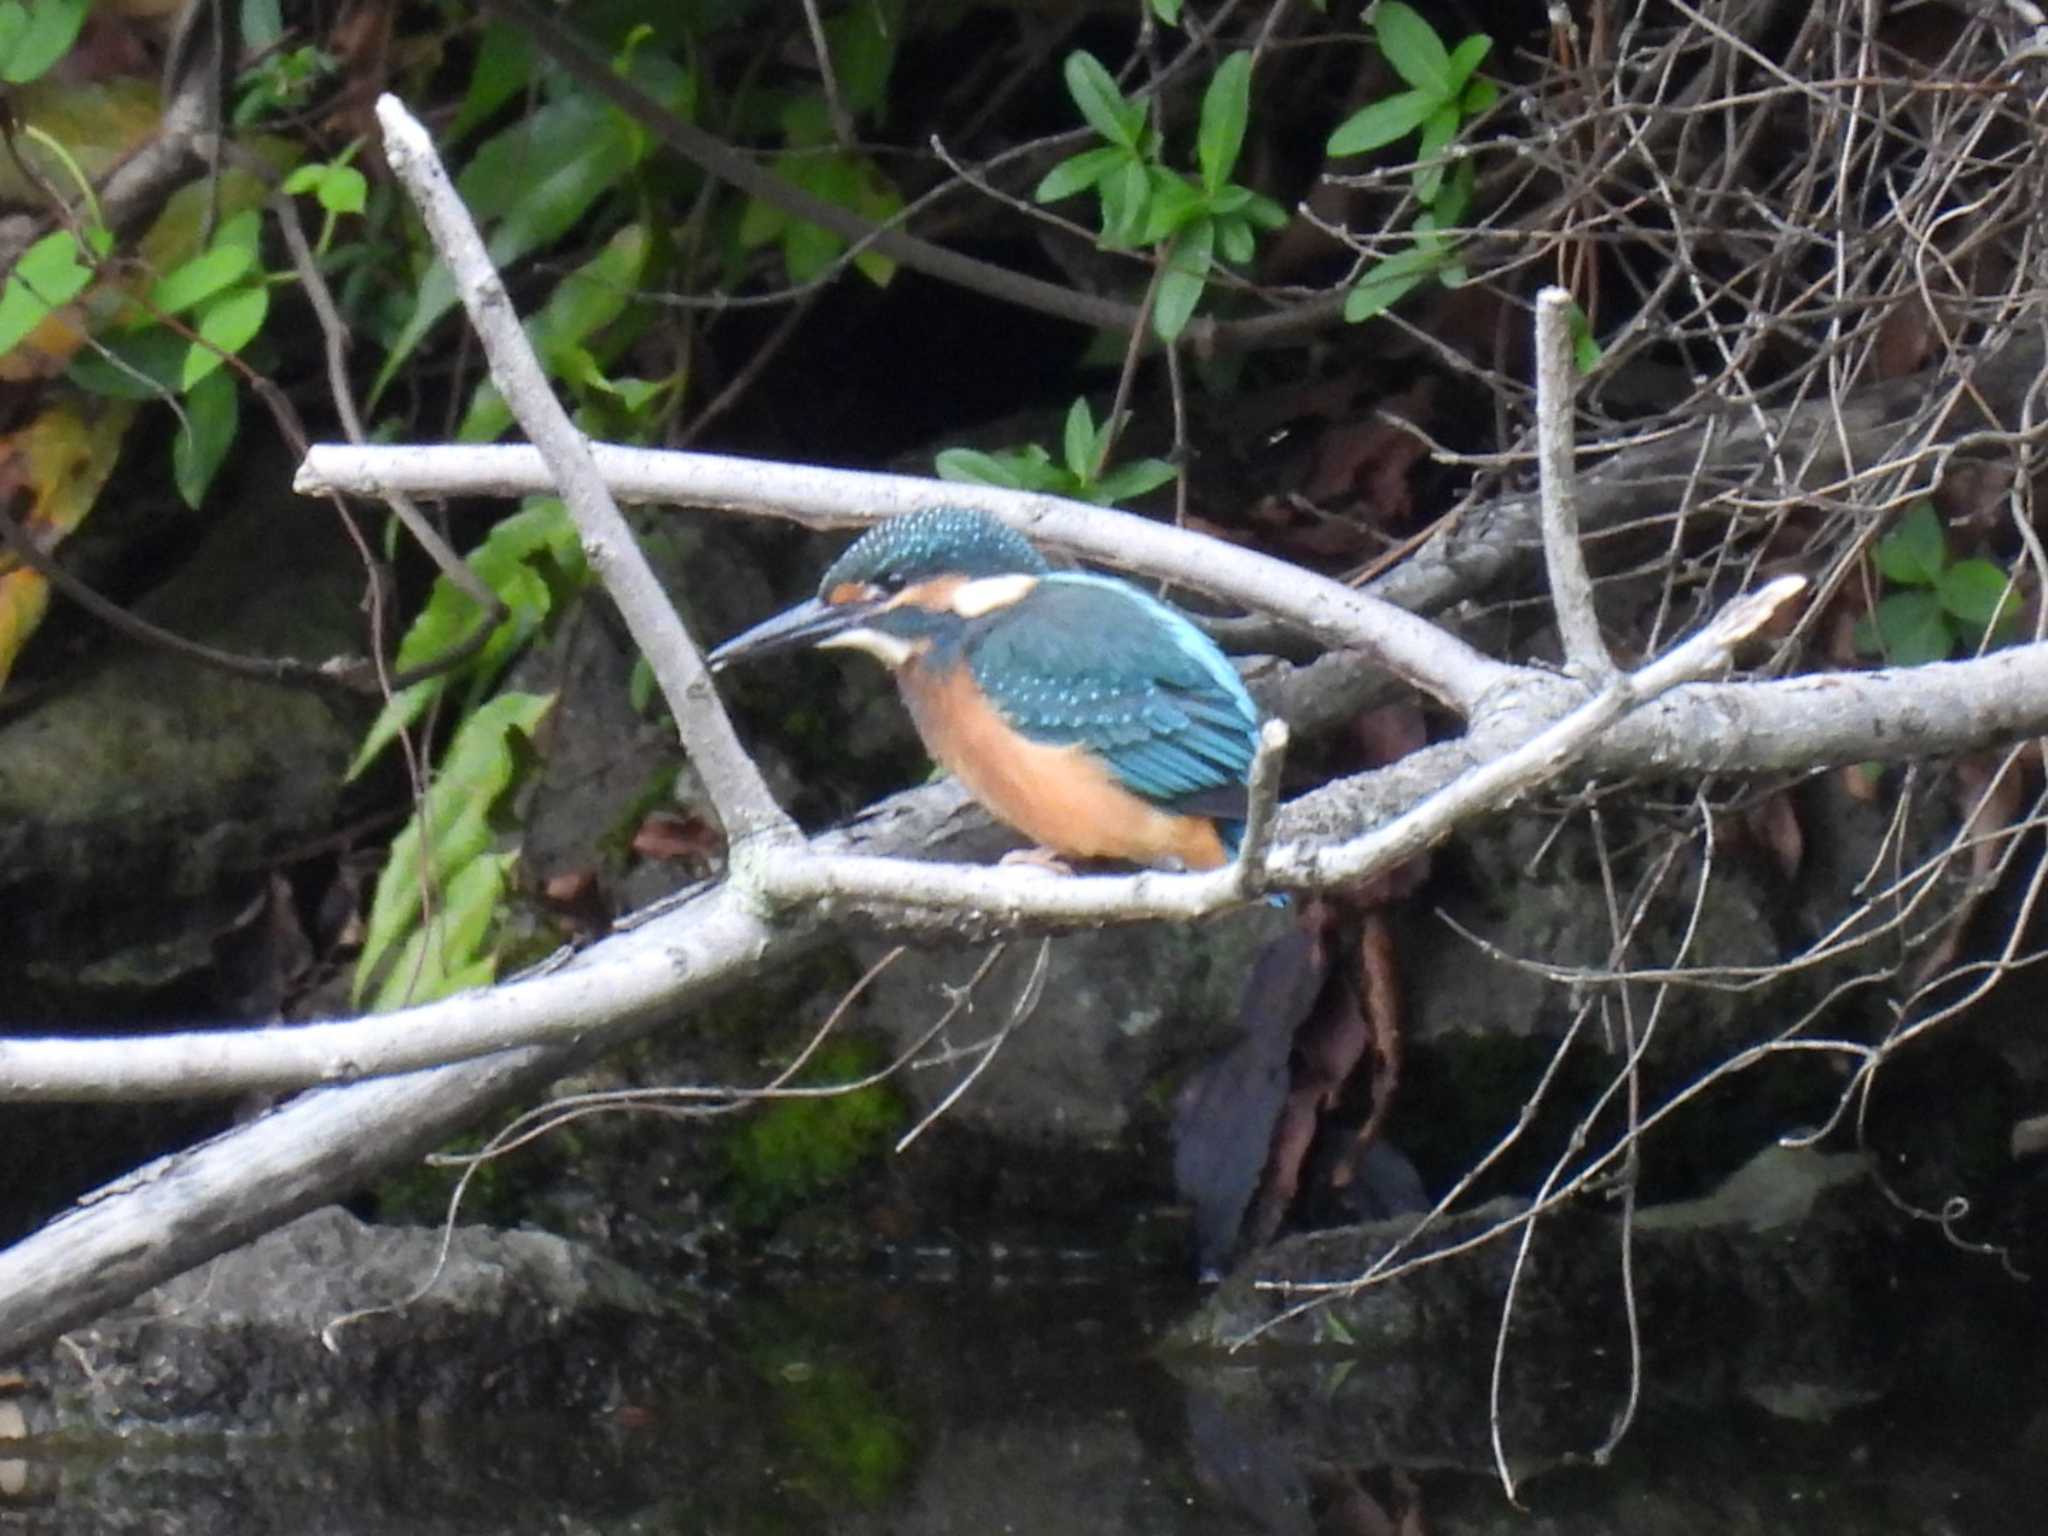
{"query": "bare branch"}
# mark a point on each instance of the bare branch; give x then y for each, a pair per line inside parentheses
(1571, 585)
(738, 792)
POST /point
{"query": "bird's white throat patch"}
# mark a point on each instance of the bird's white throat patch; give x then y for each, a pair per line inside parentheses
(887, 649)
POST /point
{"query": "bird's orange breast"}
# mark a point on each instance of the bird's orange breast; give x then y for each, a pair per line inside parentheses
(1058, 796)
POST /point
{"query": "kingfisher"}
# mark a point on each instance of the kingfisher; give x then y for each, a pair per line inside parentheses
(1075, 708)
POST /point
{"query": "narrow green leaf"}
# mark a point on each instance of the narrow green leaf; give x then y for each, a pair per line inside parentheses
(1129, 480)
(1413, 48)
(1465, 58)
(504, 67)
(1385, 283)
(1174, 202)
(536, 179)
(230, 322)
(509, 561)
(1913, 553)
(1101, 103)
(1187, 274)
(1235, 240)
(1437, 133)
(970, 466)
(1079, 172)
(1380, 124)
(1126, 201)
(1079, 446)
(1478, 96)
(448, 955)
(212, 410)
(1225, 106)
(475, 770)
(200, 278)
(862, 41)
(1265, 213)
(1167, 11)
(1450, 204)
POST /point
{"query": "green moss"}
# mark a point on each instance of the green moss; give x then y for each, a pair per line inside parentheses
(793, 1150)
(850, 1446)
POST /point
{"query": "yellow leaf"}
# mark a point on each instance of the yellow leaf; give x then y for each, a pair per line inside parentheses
(24, 596)
(64, 459)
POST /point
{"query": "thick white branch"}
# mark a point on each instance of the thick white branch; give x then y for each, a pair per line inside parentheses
(738, 793)
(1390, 638)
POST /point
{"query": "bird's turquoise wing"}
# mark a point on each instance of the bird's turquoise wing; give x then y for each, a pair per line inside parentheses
(1089, 660)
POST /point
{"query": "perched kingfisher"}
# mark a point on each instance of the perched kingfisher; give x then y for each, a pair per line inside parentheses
(1090, 717)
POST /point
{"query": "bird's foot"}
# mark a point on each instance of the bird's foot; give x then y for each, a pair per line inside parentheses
(1043, 860)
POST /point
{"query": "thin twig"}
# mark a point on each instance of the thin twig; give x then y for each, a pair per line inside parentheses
(1571, 586)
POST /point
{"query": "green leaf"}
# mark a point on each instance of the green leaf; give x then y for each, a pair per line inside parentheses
(1913, 553)
(34, 37)
(343, 190)
(1465, 58)
(510, 562)
(230, 322)
(1586, 350)
(1187, 274)
(1266, 213)
(504, 68)
(447, 955)
(1448, 207)
(1911, 630)
(970, 466)
(1380, 124)
(1173, 204)
(536, 179)
(1101, 103)
(1235, 240)
(1438, 132)
(1225, 105)
(1079, 172)
(1385, 283)
(1167, 11)
(142, 365)
(1132, 479)
(862, 41)
(1413, 48)
(1126, 200)
(48, 276)
(1478, 97)
(585, 301)
(200, 278)
(1978, 593)
(212, 411)
(1080, 447)
(477, 768)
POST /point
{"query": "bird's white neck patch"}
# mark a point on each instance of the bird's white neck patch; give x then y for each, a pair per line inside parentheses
(974, 599)
(887, 649)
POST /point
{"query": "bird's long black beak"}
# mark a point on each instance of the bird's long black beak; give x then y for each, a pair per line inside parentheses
(808, 623)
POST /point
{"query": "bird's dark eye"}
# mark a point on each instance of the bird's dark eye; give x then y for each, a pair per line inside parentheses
(891, 581)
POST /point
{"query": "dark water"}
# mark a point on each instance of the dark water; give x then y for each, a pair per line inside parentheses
(1044, 1409)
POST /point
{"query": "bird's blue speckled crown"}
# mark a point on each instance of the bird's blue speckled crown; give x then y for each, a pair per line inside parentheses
(938, 541)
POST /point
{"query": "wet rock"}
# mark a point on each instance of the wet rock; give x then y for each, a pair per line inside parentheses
(1784, 1289)
(266, 1337)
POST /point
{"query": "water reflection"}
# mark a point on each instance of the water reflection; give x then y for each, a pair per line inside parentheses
(1041, 1409)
